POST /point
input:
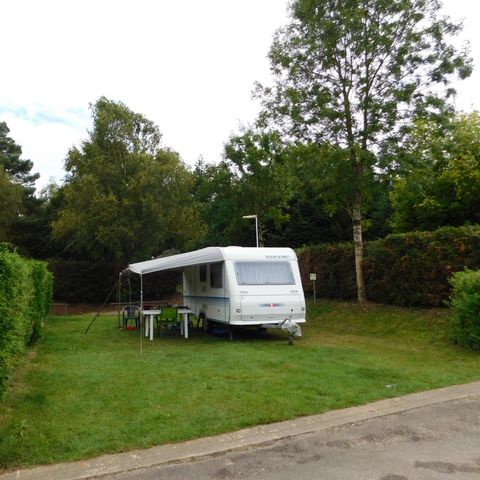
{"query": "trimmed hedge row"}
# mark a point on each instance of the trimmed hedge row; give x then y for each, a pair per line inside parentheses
(79, 281)
(403, 269)
(25, 297)
(465, 303)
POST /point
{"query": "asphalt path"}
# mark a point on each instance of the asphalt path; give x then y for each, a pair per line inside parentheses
(440, 441)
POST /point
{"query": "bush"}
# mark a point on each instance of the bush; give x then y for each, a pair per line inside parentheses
(78, 281)
(334, 266)
(403, 269)
(25, 296)
(465, 303)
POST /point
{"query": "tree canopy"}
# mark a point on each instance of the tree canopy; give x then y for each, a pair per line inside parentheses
(439, 183)
(10, 153)
(16, 185)
(126, 197)
(352, 73)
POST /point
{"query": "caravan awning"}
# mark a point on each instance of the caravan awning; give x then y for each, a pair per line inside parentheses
(212, 255)
(198, 257)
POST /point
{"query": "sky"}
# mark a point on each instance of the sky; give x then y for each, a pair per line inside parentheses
(189, 66)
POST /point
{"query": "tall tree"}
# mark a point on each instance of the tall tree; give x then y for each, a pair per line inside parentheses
(10, 205)
(216, 196)
(256, 160)
(251, 179)
(16, 186)
(350, 73)
(125, 196)
(10, 153)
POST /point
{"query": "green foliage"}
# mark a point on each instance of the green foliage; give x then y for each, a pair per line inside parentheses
(438, 182)
(80, 281)
(10, 161)
(349, 72)
(25, 296)
(252, 179)
(401, 269)
(216, 194)
(465, 303)
(126, 197)
(350, 75)
(97, 394)
(334, 266)
(256, 160)
(16, 189)
(10, 204)
(32, 232)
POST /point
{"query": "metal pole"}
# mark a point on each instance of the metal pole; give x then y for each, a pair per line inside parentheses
(141, 313)
(118, 299)
(314, 294)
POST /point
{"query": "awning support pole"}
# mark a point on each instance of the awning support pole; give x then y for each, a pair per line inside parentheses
(141, 313)
(118, 299)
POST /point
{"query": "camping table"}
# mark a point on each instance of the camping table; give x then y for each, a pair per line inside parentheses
(149, 324)
(151, 313)
(184, 326)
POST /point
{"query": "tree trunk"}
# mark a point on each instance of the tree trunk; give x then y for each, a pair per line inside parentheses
(358, 245)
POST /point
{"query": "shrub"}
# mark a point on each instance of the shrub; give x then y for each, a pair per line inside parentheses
(465, 303)
(78, 281)
(25, 296)
(334, 266)
(404, 269)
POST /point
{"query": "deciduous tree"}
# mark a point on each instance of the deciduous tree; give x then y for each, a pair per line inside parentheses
(351, 73)
(439, 182)
(126, 197)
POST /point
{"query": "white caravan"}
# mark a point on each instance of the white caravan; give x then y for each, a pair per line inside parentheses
(238, 286)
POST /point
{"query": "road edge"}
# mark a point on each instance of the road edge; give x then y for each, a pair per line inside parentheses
(104, 465)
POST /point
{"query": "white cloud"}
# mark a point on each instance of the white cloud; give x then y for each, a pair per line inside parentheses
(189, 66)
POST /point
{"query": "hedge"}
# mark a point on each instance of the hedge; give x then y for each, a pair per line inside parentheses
(401, 269)
(465, 303)
(25, 297)
(79, 281)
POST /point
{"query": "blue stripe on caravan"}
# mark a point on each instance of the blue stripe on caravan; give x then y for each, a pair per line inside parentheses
(208, 299)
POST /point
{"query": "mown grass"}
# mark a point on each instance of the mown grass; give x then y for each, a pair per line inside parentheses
(76, 396)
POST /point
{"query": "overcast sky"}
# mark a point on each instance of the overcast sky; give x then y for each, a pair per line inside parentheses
(187, 65)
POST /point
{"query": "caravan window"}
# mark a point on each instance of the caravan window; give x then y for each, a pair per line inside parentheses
(203, 273)
(216, 275)
(264, 273)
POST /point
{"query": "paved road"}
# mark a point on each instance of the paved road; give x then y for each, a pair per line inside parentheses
(440, 441)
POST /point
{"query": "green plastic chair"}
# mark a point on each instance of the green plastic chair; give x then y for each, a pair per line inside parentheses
(168, 319)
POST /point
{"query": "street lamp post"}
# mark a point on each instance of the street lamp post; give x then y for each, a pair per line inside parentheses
(256, 224)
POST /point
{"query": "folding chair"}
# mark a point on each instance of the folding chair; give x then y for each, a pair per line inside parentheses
(169, 320)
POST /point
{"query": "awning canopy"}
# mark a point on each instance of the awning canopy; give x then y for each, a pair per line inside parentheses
(198, 257)
(211, 255)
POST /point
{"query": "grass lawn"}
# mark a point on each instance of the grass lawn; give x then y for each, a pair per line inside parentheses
(76, 396)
